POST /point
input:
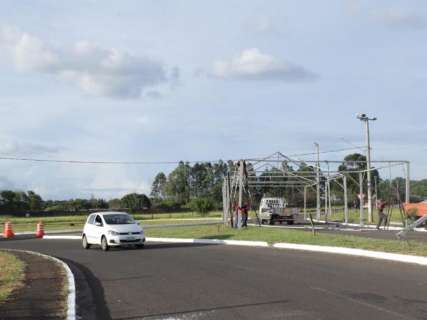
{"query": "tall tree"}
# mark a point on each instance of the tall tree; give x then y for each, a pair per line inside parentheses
(350, 166)
(135, 201)
(178, 183)
(35, 201)
(158, 188)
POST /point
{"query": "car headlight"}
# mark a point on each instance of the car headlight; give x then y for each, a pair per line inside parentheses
(112, 233)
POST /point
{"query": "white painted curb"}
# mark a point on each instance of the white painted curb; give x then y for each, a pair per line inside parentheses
(211, 241)
(292, 246)
(62, 237)
(355, 252)
(180, 240)
(71, 299)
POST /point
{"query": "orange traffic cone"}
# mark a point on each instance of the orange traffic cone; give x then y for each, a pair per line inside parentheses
(8, 232)
(40, 230)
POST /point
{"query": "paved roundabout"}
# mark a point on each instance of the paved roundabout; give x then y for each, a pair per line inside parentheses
(183, 281)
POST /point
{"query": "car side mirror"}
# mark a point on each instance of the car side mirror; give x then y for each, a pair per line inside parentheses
(98, 224)
(138, 223)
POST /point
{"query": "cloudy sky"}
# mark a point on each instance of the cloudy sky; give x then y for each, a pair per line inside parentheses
(158, 80)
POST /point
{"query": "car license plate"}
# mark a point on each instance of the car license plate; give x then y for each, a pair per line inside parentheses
(130, 238)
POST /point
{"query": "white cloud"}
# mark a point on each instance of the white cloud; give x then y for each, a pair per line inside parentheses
(95, 70)
(263, 25)
(13, 148)
(115, 182)
(399, 18)
(252, 64)
(6, 184)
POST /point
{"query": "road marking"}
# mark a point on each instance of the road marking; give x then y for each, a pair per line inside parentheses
(355, 252)
(62, 237)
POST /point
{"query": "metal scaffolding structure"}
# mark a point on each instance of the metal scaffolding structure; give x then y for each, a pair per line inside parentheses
(280, 171)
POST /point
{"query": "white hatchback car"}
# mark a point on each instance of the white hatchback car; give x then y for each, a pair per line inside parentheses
(112, 229)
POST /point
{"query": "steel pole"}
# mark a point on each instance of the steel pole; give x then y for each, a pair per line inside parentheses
(407, 183)
(305, 203)
(239, 214)
(361, 202)
(326, 200)
(318, 182)
(368, 160)
(345, 199)
(224, 202)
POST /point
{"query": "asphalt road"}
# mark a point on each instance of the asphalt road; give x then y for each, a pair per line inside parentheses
(173, 281)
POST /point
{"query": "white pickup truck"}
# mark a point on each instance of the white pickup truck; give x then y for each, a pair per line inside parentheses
(272, 210)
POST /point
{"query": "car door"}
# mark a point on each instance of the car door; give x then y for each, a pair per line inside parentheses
(88, 228)
(98, 228)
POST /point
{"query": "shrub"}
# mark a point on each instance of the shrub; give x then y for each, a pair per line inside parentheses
(168, 205)
(201, 205)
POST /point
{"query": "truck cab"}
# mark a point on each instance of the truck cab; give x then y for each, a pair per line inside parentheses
(272, 210)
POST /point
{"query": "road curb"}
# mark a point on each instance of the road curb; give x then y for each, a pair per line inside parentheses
(71, 298)
(62, 237)
(355, 252)
(180, 240)
(211, 241)
(283, 245)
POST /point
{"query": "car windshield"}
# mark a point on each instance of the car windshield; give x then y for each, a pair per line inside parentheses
(118, 219)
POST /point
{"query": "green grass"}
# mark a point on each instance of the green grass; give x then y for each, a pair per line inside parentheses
(354, 215)
(23, 224)
(11, 275)
(274, 235)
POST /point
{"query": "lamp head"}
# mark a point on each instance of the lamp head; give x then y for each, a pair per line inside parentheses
(361, 116)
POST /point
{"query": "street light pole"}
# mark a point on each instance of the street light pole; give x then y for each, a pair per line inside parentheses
(363, 117)
(368, 159)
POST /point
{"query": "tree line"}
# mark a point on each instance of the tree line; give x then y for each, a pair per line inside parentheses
(20, 202)
(199, 187)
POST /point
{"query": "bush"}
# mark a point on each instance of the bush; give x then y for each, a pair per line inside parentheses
(202, 205)
(168, 205)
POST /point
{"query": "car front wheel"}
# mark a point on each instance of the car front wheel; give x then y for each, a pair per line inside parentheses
(104, 244)
(85, 244)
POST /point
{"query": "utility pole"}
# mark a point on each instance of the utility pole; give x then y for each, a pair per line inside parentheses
(318, 182)
(329, 199)
(305, 203)
(407, 183)
(364, 118)
(326, 199)
(344, 178)
(361, 202)
(239, 213)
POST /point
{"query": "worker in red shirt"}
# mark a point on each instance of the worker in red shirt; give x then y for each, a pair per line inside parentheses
(244, 211)
(381, 215)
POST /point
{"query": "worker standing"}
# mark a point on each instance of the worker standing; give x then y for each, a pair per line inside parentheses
(244, 211)
(381, 215)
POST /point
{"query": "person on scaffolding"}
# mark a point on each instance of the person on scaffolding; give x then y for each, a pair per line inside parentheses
(244, 212)
(381, 215)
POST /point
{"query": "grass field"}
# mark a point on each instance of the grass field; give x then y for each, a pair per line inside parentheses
(273, 235)
(11, 275)
(354, 215)
(23, 224)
